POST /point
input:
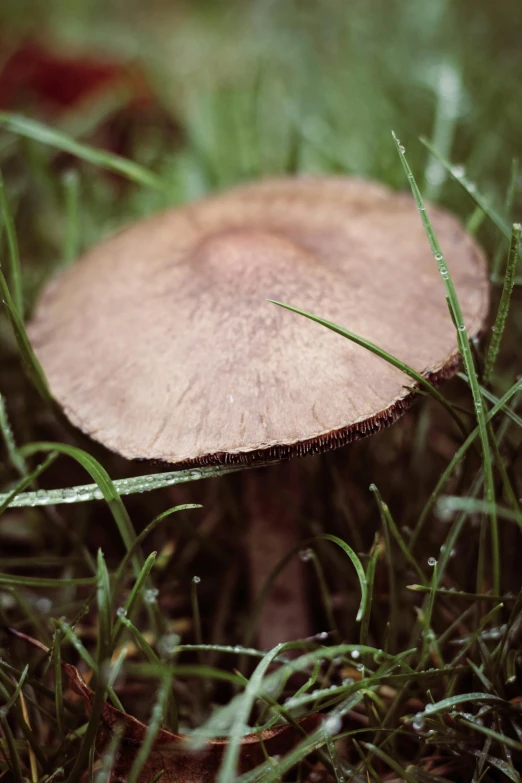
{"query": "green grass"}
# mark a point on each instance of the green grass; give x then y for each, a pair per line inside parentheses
(417, 605)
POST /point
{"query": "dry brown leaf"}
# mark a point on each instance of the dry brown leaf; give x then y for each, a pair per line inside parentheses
(171, 752)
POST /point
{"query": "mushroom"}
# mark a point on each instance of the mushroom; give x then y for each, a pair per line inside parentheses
(160, 342)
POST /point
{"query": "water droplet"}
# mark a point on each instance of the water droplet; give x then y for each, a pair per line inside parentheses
(305, 555)
(462, 328)
(333, 724)
(98, 494)
(121, 611)
(458, 171)
(169, 643)
(429, 708)
(196, 580)
(321, 636)
(44, 605)
(359, 667)
(151, 595)
(69, 495)
(438, 257)
(355, 654)
(432, 561)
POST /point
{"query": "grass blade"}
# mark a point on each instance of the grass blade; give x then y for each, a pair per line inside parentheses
(457, 457)
(13, 255)
(86, 492)
(7, 499)
(503, 307)
(416, 376)
(31, 363)
(465, 349)
(103, 656)
(17, 461)
(152, 729)
(37, 131)
(102, 479)
(458, 173)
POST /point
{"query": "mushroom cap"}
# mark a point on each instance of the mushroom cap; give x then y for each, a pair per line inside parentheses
(160, 342)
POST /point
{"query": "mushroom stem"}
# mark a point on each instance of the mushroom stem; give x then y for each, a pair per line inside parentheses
(272, 499)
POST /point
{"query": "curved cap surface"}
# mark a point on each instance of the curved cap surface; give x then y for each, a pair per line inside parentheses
(160, 342)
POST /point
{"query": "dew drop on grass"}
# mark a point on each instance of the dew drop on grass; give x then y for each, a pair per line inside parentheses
(355, 654)
(429, 708)
(305, 555)
(321, 636)
(150, 595)
(69, 495)
(333, 724)
(438, 257)
(44, 605)
(168, 644)
(121, 611)
(432, 561)
(196, 580)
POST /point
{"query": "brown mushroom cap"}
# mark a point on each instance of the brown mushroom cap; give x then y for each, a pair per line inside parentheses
(160, 342)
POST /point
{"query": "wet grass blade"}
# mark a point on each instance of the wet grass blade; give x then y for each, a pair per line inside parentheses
(153, 727)
(15, 458)
(71, 185)
(37, 131)
(467, 356)
(7, 499)
(15, 274)
(31, 363)
(503, 307)
(458, 173)
(103, 656)
(135, 594)
(455, 460)
(258, 604)
(143, 535)
(84, 493)
(416, 376)
(102, 479)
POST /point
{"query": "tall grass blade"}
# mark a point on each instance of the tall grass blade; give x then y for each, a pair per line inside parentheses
(17, 461)
(31, 363)
(505, 299)
(467, 355)
(37, 131)
(458, 173)
(15, 274)
(416, 376)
